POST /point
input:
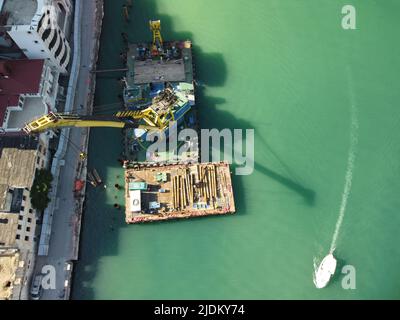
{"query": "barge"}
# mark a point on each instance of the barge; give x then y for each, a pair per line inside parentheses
(177, 191)
(154, 68)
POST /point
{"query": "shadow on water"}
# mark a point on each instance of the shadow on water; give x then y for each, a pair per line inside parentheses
(102, 222)
(340, 264)
(307, 194)
(223, 119)
(288, 180)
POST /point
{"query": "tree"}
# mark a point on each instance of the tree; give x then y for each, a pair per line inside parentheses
(40, 189)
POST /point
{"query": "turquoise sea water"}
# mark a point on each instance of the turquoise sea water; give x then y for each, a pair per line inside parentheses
(324, 105)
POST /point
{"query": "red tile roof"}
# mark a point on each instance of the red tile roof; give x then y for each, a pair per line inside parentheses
(18, 77)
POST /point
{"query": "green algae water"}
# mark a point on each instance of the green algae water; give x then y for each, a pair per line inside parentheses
(323, 102)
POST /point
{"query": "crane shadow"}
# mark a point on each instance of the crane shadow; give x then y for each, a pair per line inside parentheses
(223, 119)
(307, 194)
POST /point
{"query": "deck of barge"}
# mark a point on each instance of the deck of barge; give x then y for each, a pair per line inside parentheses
(157, 193)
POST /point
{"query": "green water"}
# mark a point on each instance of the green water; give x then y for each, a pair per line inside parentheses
(287, 69)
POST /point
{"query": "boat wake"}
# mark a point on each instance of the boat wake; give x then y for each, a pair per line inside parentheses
(325, 270)
(349, 171)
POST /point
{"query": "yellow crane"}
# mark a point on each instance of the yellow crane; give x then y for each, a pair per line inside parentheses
(155, 27)
(154, 118)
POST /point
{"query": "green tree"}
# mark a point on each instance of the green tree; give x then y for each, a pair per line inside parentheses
(40, 189)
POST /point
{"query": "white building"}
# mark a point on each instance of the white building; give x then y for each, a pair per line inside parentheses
(38, 28)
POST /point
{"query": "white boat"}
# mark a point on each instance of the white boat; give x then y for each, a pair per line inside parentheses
(325, 271)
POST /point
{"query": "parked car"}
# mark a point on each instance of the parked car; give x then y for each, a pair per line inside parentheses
(36, 289)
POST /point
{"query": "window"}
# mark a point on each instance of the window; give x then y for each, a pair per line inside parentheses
(53, 41)
(36, 41)
(17, 236)
(60, 46)
(30, 211)
(19, 227)
(24, 198)
(46, 34)
(21, 217)
(28, 229)
(22, 209)
(26, 238)
(38, 161)
(40, 22)
(29, 220)
(64, 57)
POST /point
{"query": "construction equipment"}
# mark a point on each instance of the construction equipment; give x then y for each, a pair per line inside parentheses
(154, 118)
(62, 120)
(155, 27)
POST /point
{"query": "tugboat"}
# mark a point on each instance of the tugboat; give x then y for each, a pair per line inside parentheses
(325, 271)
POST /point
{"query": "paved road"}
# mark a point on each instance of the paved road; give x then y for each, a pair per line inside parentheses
(61, 242)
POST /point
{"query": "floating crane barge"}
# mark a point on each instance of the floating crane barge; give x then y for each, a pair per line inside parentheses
(158, 190)
(177, 191)
(153, 69)
(159, 89)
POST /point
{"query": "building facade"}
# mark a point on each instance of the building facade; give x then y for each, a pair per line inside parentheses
(38, 28)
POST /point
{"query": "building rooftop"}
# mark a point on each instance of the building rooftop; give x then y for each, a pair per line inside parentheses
(3, 197)
(8, 229)
(33, 108)
(18, 77)
(17, 167)
(8, 267)
(19, 12)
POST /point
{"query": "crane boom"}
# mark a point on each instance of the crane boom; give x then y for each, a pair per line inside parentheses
(155, 117)
(62, 120)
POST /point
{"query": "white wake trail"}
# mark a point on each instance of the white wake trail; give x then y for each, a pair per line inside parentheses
(349, 171)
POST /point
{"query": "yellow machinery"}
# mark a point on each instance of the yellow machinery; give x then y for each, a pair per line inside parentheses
(155, 118)
(155, 27)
